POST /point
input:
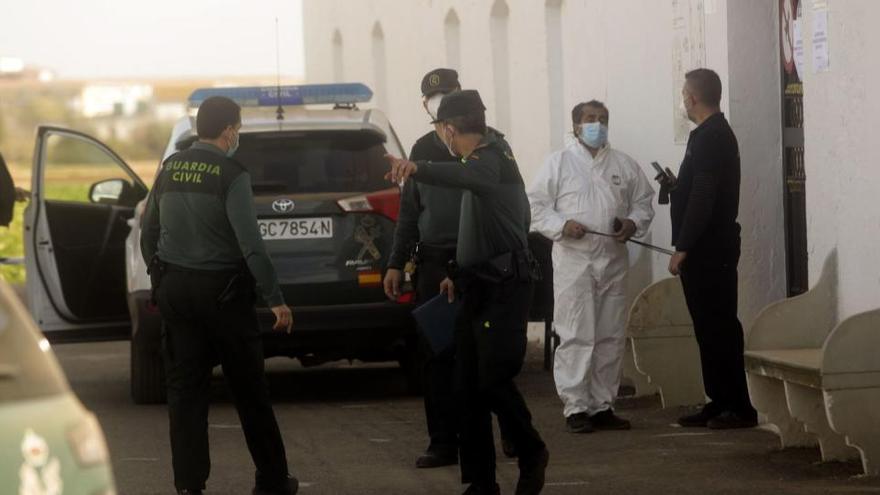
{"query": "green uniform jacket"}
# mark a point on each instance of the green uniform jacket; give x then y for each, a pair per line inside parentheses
(495, 212)
(201, 216)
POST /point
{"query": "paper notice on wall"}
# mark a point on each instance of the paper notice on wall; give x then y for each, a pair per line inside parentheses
(688, 53)
(821, 62)
(798, 37)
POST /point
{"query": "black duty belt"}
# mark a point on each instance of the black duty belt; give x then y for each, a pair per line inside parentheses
(170, 267)
(434, 254)
(520, 265)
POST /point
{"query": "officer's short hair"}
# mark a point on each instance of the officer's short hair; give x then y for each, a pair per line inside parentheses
(474, 123)
(577, 112)
(705, 85)
(216, 114)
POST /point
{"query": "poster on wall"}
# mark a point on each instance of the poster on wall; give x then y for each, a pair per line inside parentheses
(688, 53)
(821, 57)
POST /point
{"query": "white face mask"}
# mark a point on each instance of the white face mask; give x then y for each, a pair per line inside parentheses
(433, 104)
(448, 143)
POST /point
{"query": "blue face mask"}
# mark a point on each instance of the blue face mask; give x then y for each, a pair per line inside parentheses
(233, 147)
(594, 134)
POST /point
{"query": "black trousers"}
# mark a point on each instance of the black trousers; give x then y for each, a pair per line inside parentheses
(490, 339)
(710, 289)
(441, 411)
(197, 334)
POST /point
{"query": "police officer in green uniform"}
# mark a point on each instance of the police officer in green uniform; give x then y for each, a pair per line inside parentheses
(428, 227)
(201, 241)
(428, 224)
(494, 277)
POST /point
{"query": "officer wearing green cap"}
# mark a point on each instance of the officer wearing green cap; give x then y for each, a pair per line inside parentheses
(493, 274)
(201, 241)
(427, 232)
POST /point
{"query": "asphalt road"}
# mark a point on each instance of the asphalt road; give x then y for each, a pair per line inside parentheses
(353, 430)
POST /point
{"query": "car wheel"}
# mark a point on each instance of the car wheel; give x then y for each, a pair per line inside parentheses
(147, 375)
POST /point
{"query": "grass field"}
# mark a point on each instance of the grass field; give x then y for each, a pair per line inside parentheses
(71, 183)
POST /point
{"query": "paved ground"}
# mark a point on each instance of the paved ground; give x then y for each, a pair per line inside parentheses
(353, 430)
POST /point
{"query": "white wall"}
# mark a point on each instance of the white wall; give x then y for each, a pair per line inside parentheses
(617, 51)
(841, 152)
(753, 90)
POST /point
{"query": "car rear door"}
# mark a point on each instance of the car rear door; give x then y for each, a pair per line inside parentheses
(83, 195)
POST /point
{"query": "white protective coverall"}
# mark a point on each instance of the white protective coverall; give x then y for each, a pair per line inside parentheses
(589, 274)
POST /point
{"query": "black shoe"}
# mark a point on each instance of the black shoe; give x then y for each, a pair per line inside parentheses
(700, 419)
(508, 448)
(579, 423)
(607, 420)
(531, 473)
(483, 489)
(730, 421)
(291, 488)
(435, 457)
(189, 492)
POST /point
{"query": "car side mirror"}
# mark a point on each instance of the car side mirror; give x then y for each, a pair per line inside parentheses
(109, 192)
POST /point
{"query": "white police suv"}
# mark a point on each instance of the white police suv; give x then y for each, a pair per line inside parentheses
(326, 213)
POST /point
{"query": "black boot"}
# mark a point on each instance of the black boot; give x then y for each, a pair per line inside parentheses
(290, 488)
(438, 456)
(730, 420)
(579, 423)
(532, 469)
(483, 489)
(607, 420)
(700, 419)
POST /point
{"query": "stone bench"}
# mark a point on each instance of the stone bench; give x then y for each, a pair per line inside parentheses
(817, 381)
(664, 349)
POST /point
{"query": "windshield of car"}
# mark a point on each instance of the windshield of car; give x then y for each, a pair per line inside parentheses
(308, 162)
(27, 368)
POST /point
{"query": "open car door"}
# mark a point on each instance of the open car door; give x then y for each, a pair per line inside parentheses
(82, 196)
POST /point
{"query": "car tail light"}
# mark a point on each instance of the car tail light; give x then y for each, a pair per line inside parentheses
(370, 279)
(406, 298)
(385, 203)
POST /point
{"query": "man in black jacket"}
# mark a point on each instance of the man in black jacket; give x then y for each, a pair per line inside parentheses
(428, 224)
(429, 219)
(494, 276)
(706, 235)
(9, 194)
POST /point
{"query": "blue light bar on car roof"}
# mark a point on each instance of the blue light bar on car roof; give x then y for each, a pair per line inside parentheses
(269, 96)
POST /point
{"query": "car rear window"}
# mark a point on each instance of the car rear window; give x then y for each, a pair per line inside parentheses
(314, 162)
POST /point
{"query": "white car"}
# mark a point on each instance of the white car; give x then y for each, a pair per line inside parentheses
(325, 210)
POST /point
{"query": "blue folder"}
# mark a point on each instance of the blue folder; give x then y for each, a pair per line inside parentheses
(436, 319)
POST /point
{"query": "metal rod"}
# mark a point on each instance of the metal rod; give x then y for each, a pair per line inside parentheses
(643, 244)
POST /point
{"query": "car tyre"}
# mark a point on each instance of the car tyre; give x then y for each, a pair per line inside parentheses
(147, 375)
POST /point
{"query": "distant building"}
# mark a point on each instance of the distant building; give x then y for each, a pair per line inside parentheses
(113, 100)
(11, 67)
(15, 68)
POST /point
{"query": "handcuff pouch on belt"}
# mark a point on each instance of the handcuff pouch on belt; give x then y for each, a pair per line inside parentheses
(512, 265)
